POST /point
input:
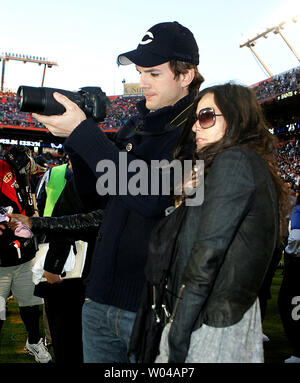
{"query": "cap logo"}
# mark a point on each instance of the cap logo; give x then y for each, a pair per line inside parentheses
(147, 38)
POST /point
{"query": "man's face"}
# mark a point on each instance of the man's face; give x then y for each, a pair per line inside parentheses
(159, 86)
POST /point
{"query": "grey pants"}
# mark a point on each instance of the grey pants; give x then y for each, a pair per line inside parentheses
(239, 343)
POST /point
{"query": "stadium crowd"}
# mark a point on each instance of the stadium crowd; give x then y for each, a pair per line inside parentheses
(119, 111)
(9, 114)
(288, 160)
(281, 83)
(122, 108)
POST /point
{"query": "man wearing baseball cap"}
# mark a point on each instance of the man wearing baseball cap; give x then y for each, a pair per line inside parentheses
(162, 43)
(166, 58)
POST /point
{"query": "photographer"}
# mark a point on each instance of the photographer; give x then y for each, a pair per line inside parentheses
(167, 59)
(63, 298)
(16, 255)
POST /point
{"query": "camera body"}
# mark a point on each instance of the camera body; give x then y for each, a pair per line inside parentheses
(40, 100)
(20, 159)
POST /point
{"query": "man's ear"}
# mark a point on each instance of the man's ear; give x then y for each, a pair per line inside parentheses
(188, 77)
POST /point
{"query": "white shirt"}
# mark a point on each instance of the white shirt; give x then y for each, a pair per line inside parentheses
(293, 246)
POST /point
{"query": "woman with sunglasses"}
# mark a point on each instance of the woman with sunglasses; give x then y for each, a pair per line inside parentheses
(206, 263)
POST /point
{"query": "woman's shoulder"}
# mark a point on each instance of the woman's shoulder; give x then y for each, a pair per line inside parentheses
(243, 154)
(235, 153)
(237, 150)
(239, 162)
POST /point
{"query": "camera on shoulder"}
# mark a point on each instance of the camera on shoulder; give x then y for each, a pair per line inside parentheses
(92, 100)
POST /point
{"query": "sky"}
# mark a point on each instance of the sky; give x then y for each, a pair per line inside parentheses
(85, 38)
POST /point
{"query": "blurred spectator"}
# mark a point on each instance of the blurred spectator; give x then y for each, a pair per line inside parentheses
(17, 254)
(289, 294)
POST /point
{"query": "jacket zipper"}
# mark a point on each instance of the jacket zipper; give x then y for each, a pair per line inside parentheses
(154, 305)
(174, 311)
(176, 304)
(154, 297)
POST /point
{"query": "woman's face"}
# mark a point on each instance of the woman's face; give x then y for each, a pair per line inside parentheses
(215, 132)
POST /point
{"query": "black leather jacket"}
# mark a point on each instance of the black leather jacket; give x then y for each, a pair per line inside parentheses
(227, 245)
(75, 223)
(62, 232)
(221, 253)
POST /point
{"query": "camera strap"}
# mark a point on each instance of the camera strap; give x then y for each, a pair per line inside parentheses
(23, 191)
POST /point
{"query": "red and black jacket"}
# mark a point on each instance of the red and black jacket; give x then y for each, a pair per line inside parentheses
(15, 192)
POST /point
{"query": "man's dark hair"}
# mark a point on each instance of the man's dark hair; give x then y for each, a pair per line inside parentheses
(181, 67)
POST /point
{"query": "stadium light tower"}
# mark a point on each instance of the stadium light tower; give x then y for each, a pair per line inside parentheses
(276, 29)
(250, 44)
(5, 57)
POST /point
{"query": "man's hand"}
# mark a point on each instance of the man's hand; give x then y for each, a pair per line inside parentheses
(64, 124)
(12, 224)
(52, 278)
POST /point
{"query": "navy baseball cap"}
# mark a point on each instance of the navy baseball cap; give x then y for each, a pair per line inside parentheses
(161, 43)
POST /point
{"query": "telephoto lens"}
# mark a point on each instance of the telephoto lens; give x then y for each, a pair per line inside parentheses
(92, 100)
(40, 100)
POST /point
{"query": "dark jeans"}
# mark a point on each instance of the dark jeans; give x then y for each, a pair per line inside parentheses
(106, 333)
(289, 301)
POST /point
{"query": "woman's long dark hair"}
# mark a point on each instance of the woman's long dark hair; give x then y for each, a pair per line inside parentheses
(246, 127)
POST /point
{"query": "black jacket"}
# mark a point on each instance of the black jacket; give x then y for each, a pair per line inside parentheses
(117, 270)
(221, 254)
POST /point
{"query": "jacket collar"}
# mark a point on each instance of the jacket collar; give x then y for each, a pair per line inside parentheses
(155, 121)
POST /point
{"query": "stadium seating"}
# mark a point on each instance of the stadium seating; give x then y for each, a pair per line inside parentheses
(276, 85)
(121, 108)
(9, 114)
(118, 112)
(288, 160)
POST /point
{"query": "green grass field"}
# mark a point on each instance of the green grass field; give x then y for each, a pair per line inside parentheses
(13, 335)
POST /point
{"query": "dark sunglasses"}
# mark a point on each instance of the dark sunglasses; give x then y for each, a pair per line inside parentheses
(207, 117)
